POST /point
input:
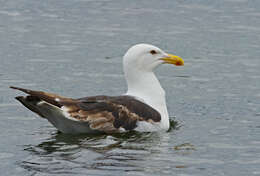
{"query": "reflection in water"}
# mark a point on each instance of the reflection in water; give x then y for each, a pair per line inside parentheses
(70, 154)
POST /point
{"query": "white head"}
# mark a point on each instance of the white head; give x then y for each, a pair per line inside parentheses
(139, 62)
(145, 57)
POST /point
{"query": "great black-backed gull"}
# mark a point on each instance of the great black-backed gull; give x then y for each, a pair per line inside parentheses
(142, 108)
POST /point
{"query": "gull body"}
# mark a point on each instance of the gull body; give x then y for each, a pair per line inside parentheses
(142, 108)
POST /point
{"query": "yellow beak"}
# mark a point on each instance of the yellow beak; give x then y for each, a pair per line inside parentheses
(172, 59)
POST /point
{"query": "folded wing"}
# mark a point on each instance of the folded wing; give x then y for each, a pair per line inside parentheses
(107, 114)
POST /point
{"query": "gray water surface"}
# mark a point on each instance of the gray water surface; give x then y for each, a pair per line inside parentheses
(75, 48)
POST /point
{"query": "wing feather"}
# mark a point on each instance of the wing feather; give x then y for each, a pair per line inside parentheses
(103, 113)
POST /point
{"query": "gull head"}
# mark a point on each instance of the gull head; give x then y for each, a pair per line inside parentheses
(145, 57)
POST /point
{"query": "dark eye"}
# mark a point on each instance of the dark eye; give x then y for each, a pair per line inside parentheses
(153, 52)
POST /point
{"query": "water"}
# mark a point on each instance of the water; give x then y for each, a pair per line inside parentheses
(74, 48)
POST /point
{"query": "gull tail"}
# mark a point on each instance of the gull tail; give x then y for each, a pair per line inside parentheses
(49, 106)
(31, 103)
(39, 95)
(36, 99)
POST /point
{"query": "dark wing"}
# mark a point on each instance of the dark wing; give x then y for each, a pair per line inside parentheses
(48, 97)
(103, 113)
(109, 114)
(126, 110)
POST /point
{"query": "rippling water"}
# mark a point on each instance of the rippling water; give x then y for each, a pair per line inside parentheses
(74, 48)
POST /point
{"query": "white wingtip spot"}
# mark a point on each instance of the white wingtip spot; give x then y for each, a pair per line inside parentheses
(57, 99)
(39, 103)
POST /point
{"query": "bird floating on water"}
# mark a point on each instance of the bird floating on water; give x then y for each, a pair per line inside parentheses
(142, 108)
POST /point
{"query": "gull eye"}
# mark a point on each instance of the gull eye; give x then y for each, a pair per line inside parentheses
(153, 52)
